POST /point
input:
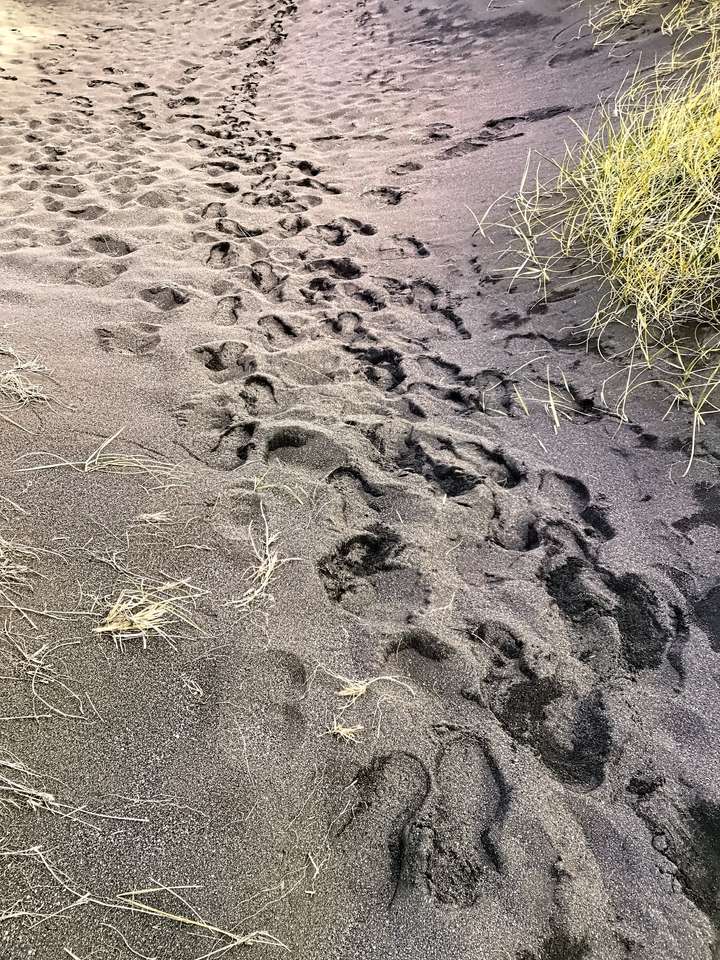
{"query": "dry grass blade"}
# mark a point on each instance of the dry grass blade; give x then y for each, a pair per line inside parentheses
(37, 666)
(17, 788)
(144, 610)
(134, 902)
(163, 472)
(343, 731)
(260, 573)
(263, 484)
(17, 567)
(353, 689)
(161, 518)
(21, 383)
(18, 574)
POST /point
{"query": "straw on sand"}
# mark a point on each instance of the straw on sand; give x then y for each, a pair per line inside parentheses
(144, 610)
(163, 472)
(135, 902)
(259, 574)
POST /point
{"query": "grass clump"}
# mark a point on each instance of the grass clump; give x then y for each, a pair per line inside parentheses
(144, 610)
(634, 209)
(684, 17)
(23, 384)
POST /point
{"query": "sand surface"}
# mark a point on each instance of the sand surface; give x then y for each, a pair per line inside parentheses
(240, 231)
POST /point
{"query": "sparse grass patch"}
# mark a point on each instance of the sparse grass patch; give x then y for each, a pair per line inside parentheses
(343, 731)
(351, 690)
(22, 383)
(23, 788)
(634, 210)
(18, 575)
(17, 568)
(259, 574)
(39, 666)
(18, 788)
(263, 483)
(184, 917)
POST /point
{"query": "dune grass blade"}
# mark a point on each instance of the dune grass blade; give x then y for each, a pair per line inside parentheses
(22, 383)
(134, 902)
(260, 572)
(102, 459)
(17, 567)
(39, 666)
(18, 574)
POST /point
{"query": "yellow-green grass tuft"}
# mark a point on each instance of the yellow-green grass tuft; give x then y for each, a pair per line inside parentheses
(677, 17)
(634, 211)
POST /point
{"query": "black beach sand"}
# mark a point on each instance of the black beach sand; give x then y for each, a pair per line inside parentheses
(243, 234)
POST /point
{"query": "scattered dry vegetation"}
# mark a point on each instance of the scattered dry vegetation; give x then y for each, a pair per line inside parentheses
(39, 665)
(148, 608)
(350, 691)
(259, 574)
(23, 384)
(218, 941)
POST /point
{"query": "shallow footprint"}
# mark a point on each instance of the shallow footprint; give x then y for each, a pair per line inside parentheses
(391, 792)
(136, 339)
(109, 245)
(451, 850)
(165, 298)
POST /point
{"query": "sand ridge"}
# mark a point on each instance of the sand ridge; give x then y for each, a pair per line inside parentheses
(243, 235)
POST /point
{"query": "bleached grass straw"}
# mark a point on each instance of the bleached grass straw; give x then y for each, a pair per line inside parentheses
(353, 688)
(21, 384)
(163, 472)
(259, 574)
(135, 902)
(144, 610)
(36, 665)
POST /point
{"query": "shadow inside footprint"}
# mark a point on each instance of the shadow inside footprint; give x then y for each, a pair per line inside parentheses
(570, 734)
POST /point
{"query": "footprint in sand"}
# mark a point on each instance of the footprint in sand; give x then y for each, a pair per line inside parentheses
(133, 339)
(391, 792)
(450, 849)
(165, 298)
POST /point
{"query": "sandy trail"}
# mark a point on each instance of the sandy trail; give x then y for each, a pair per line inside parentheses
(242, 234)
